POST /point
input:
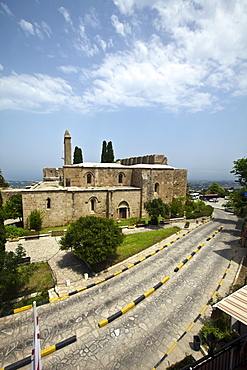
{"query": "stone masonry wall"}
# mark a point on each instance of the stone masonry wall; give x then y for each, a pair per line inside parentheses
(67, 205)
(146, 159)
(99, 176)
(159, 183)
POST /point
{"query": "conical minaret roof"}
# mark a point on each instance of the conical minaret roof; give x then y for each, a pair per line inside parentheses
(67, 134)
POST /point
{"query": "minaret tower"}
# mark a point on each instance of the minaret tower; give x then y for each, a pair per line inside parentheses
(67, 148)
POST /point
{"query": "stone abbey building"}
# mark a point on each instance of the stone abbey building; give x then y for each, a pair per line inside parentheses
(113, 190)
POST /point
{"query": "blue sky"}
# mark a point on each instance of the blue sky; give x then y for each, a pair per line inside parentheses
(152, 76)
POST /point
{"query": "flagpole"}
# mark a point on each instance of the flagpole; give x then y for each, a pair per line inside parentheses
(36, 353)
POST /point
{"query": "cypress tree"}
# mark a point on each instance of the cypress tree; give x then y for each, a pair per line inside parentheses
(77, 155)
(110, 153)
(104, 152)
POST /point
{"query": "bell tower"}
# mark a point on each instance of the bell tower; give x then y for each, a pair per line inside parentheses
(67, 148)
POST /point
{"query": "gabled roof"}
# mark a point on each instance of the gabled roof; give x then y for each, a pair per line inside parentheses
(235, 305)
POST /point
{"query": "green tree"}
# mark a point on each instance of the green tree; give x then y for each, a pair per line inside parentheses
(156, 208)
(238, 202)
(215, 188)
(110, 153)
(240, 170)
(104, 152)
(13, 207)
(237, 199)
(92, 239)
(2, 229)
(177, 207)
(10, 278)
(3, 183)
(34, 220)
(77, 155)
(107, 154)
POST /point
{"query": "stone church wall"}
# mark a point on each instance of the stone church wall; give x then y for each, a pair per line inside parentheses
(60, 207)
(100, 176)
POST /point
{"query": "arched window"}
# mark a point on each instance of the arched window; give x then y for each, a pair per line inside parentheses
(48, 203)
(92, 204)
(156, 188)
(120, 178)
(89, 178)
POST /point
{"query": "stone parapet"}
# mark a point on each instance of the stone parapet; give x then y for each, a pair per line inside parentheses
(146, 159)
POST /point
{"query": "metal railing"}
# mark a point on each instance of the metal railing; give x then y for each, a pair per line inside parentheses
(229, 357)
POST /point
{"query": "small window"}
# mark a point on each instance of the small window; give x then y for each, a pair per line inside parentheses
(92, 205)
(156, 188)
(67, 182)
(120, 178)
(89, 178)
(48, 203)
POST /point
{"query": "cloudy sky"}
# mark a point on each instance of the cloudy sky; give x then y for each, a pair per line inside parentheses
(152, 76)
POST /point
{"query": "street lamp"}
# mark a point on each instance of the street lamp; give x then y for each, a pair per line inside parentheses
(212, 341)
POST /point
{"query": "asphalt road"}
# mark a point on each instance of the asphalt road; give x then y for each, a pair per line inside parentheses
(140, 337)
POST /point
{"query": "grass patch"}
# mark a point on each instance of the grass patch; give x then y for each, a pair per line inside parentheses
(133, 244)
(55, 228)
(38, 278)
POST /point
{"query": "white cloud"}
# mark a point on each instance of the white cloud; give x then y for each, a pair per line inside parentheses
(128, 6)
(7, 10)
(192, 57)
(68, 69)
(1, 67)
(92, 19)
(203, 41)
(66, 15)
(38, 31)
(121, 28)
(35, 29)
(27, 27)
(104, 44)
(46, 28)
(150, 75)
(83, 43)
(40, 93)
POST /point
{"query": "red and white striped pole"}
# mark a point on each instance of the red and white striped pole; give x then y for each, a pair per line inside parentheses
(36, 354)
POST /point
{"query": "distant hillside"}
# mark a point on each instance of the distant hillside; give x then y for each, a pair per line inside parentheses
(199, 185)
(20, 184)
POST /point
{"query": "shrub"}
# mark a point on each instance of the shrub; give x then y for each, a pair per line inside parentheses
(92, 238)
(14, 232)
(34, 220)
(220, 327)
(10, 278)
(156, 208)
(208, 328)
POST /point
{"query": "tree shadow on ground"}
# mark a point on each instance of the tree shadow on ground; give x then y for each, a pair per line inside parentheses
(71, 262)
(104, 265)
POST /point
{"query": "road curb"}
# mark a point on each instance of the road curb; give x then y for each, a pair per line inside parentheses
(132, 304)
(209, 303)
(47, 351)
(67, 295)
(195, 251)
